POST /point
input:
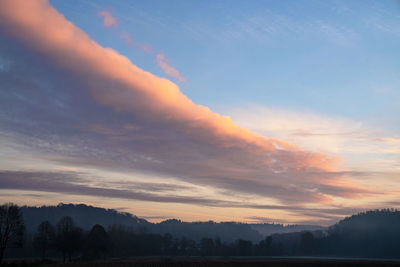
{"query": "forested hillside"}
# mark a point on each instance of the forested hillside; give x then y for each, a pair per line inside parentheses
(368, 234)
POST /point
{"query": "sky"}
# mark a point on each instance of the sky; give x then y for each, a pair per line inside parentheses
(260, 111)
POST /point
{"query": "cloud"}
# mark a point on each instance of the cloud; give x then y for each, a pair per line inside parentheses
(76, 183)
(334, 33)
(169, 70)
(328, 134)
(108, 19)
(327, 219)
(264, 25)
(72, 183)
(162, 61)
(126, 37)
(85, 105)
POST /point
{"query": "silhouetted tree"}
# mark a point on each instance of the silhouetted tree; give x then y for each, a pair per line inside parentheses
(167, 244)
(97, 242)
(187, 246)
(244, 247)
(121, 240)
(44, 238)
(11, 227)
(207, 246)
(306, 243)
(264, 247)
(218, 246)
(69, 238)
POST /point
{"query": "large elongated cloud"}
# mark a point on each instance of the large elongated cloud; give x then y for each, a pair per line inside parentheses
(94, 107)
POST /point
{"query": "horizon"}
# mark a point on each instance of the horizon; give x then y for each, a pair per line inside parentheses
(258, 112)
(160, 220)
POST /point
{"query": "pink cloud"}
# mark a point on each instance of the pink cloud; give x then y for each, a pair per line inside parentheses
(126, 37)
(169, 70)
(162, 61)
(108, 19)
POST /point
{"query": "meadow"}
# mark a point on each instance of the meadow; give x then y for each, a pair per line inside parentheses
(210, 261)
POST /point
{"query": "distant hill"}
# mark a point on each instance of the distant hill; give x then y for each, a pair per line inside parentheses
(267, 229)
(369, 221)
(371, 234)
(83, 215)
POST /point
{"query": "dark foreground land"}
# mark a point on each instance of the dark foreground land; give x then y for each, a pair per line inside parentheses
(203, 262)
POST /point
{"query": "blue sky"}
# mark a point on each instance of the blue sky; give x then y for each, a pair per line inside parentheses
(334, 57)
(309, 90)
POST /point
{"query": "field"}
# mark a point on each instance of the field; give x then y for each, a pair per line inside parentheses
(203, 262)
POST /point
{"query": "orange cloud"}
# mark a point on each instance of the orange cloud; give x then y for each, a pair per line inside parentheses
(160, 58)
(169, 70)
(126, 37)
(108, 19)
(199, 144)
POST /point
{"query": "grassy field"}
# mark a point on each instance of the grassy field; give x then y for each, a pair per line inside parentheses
(203, 262)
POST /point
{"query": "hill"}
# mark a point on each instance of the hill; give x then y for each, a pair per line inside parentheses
(84, 216)
(371, 234)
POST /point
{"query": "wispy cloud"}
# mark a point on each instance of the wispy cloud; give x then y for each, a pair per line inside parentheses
(328, 134)
(168, 69)
(162, 61)
(126, 37)
(336, 34)
(76, 184)
(108, 19)
(73, 183)
(265, 26)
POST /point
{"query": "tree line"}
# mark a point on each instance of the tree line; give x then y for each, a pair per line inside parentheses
(370, 234)
(66, 240)
(86, 216)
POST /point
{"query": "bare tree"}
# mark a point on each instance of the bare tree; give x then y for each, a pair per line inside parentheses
(11, 227)
(69, 237)
(45, 237)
